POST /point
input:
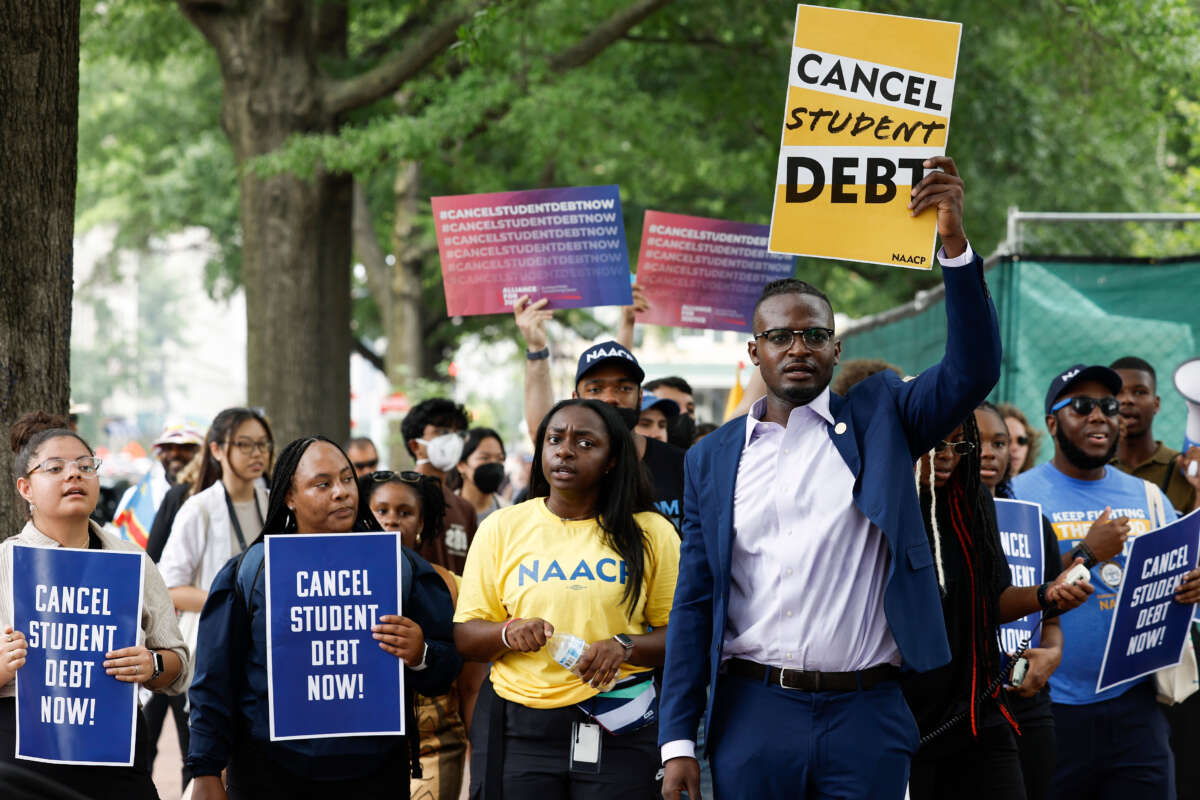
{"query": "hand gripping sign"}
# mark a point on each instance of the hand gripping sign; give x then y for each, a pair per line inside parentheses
(566, 245)
(1020, 526)
(74, 606)
(1149, 627)
(326, 674)
(868, 101)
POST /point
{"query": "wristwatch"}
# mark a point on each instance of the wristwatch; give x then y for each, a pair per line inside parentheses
(1041, 598)
(159, 666)
(625, 641)
(537, 355)
(1081, 550)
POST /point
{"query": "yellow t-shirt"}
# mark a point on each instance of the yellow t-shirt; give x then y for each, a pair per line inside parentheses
(526, 562)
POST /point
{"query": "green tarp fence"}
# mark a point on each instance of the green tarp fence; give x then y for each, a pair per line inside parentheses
(1054, 313)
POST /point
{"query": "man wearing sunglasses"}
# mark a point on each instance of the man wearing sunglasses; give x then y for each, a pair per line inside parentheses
(1095, 510)
(806, 578)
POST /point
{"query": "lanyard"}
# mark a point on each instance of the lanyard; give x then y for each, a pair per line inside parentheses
(233, 517)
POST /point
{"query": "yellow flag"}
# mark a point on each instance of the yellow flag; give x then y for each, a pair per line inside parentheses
(735, 393)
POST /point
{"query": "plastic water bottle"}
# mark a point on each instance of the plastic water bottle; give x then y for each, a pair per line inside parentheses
(567, 649)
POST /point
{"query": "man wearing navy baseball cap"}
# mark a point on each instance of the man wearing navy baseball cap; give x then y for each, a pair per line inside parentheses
(1095, 509)
(607, 372)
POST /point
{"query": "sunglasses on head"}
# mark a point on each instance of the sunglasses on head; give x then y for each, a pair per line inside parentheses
(960, 447)
(407, 476)
(1084, 405)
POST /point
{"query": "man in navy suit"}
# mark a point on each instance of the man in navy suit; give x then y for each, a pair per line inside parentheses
(806, 581)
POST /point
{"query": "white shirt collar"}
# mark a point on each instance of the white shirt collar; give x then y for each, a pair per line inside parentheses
(819, 405)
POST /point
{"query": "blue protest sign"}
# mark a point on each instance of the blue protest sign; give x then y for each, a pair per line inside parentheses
(73, 607)
(1020, 526)
(326, 674)
(1149, 628)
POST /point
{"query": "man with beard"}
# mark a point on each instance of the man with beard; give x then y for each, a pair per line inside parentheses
(1116, 743)
(175, 447)
(607, 372)
(806, 579)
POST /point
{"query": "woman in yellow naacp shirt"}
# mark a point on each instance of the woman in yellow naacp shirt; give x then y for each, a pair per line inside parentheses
(585, 556)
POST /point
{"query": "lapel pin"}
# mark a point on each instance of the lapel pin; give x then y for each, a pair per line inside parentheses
(840, 428)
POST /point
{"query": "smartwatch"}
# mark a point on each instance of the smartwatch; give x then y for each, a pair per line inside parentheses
(625, 641)
(1081, 550)
(159, 666)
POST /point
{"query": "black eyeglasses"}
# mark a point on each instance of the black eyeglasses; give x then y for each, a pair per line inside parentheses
(359, 466)
(961, 447)
(249, 447)
(407, 476)
(1084, 405)
(782, 338)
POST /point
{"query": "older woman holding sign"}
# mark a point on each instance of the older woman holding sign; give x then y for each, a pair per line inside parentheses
(56, 476)
(314, 492)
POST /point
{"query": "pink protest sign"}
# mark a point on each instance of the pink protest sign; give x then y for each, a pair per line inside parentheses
(698, 272)
(567, 245)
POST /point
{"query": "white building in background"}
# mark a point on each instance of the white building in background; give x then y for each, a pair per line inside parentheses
(201, 373)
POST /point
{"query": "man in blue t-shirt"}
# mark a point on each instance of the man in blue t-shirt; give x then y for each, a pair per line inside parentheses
(1112, 744)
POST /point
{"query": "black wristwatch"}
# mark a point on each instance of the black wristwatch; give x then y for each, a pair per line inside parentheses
(1081, 550)
(1041, 598)
(159, 666)
(537, 355)
(625, 641)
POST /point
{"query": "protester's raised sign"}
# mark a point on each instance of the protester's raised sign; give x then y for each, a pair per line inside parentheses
(1149, 628)
(327, 675)
(566, 245)
(868, 101)
(74, 606)
(705, 273)
(1020, 526)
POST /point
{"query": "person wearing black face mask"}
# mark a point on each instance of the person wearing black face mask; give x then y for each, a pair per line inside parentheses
(481, 467)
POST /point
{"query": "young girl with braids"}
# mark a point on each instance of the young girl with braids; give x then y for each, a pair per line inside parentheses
(968, 732)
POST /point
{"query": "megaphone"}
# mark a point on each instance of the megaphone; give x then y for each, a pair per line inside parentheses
(1187, 381)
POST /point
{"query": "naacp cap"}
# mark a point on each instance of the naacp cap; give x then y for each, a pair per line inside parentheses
(607, 353)
(1078, 374)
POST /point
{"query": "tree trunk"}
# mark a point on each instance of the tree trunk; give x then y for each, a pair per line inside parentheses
(405, 331)
(296, 234)
(39, 126)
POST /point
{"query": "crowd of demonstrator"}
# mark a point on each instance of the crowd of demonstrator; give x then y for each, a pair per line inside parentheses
(806, 598)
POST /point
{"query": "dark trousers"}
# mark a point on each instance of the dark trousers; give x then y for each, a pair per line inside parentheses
(767, 742)
(1038, 750)
(1114, 750)
(156, 713)
(536, 752)
(95, 782)
(252, 778)
(983, 768)
(1185, 741)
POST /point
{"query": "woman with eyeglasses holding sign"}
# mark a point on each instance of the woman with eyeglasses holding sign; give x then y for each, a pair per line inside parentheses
(587, 559)
(314, 491)
(57, 480)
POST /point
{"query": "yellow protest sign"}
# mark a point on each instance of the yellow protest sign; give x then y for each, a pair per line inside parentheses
(868, 101)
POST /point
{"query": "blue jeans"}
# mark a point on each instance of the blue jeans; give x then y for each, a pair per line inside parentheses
(769, 742)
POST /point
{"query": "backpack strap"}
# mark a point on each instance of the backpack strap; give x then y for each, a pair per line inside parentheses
(1172, 465)
(1154, 505)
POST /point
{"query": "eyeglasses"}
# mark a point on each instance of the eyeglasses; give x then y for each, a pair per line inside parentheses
(1084, 405)
(249, 447)
(407, 476)
(961, 447)
(359, 466)
(88, 466)
(782, 338)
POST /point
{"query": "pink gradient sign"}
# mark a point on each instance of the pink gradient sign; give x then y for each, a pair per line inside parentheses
(698, 272)
(567, 245)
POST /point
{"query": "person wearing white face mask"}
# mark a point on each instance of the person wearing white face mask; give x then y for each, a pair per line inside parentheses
(434, 436)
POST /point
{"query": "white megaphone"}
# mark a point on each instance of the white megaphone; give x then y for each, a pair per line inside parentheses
(1187, 381)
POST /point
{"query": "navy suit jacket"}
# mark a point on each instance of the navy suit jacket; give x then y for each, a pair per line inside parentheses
(888, 424)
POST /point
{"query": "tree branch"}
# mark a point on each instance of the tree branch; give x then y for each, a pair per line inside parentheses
(605, 34)
(374, 359)
(385, 77)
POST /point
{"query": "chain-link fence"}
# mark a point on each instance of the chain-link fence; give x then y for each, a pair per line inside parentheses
(1069, 288)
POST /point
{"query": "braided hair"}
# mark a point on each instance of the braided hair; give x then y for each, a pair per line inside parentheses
(964, 516)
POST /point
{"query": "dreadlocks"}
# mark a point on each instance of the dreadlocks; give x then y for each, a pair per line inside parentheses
(963, 514)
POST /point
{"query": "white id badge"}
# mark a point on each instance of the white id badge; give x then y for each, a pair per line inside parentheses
(585, 748)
